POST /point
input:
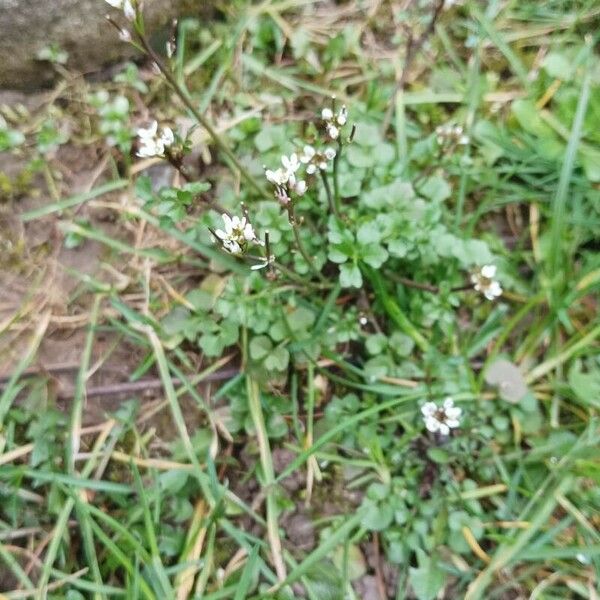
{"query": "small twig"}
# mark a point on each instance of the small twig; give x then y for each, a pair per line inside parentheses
(176, 161)
(427, 287)
(378, 568)
(128, 387)
(185, 98)
(412, 49)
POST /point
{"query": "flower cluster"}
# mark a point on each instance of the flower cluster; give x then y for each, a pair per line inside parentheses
(334, 121)
(451, 134)
(316, 159)
(441, 418)
(236, 235)
(153, 143)
(284, 178)
(126, 6)
(483, 281)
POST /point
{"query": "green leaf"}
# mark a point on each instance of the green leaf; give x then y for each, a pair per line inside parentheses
(278, 359)
(367, 135)
(529, 118)
(368, 233)
(350, 275)
(211, 344)
(260, 346)
(377, 517)
(586, 386)
(557, 65)
(436, 188)
(428, 579)
(376, 343)
(325, 581)
(270, 136)
(301, 319)
(374, 255)
(395, 194)
(361, 157)
(401, 344)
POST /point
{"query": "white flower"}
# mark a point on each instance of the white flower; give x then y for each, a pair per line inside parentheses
(300, 187)
(333, 121)
(148, 132)
(308, 153)
(326, 113)
(441, 418)
(488, 271)
(278, 177)
(237, 233)
(285, 178)
(316, 159)
(124, 35)
(128, 10)
(451, 134)
(167, 137)
(126, 6)
(151, 142)
(290, 163)
(483, 281)
(332, 131)
(264, 262)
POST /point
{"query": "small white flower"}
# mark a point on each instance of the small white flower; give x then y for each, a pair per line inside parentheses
(126, 6)
(488, 271)
(332, 131)
(149, 148)
(148, 132)
(285, 178)
(308, 153)
(151, 143)
(170, 48)
(316, 159)
(236, 233)
(264, 262)
(128, 10)
(167, 137)
(290, 163)
(451, 134)
(483, 281)
(441, 418)
(277, 177)
(342, 116)
(300, 187)
(124, 35)
(326, 113)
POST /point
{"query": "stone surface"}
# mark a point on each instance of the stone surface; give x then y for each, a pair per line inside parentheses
(77, 26)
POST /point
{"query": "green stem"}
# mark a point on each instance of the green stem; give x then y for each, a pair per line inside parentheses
(301, 249)
(185, 98)
(336, 182)
(393, 310)
(330, 200)
(266, 461)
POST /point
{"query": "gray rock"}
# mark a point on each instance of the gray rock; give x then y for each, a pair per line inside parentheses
(77, 26)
